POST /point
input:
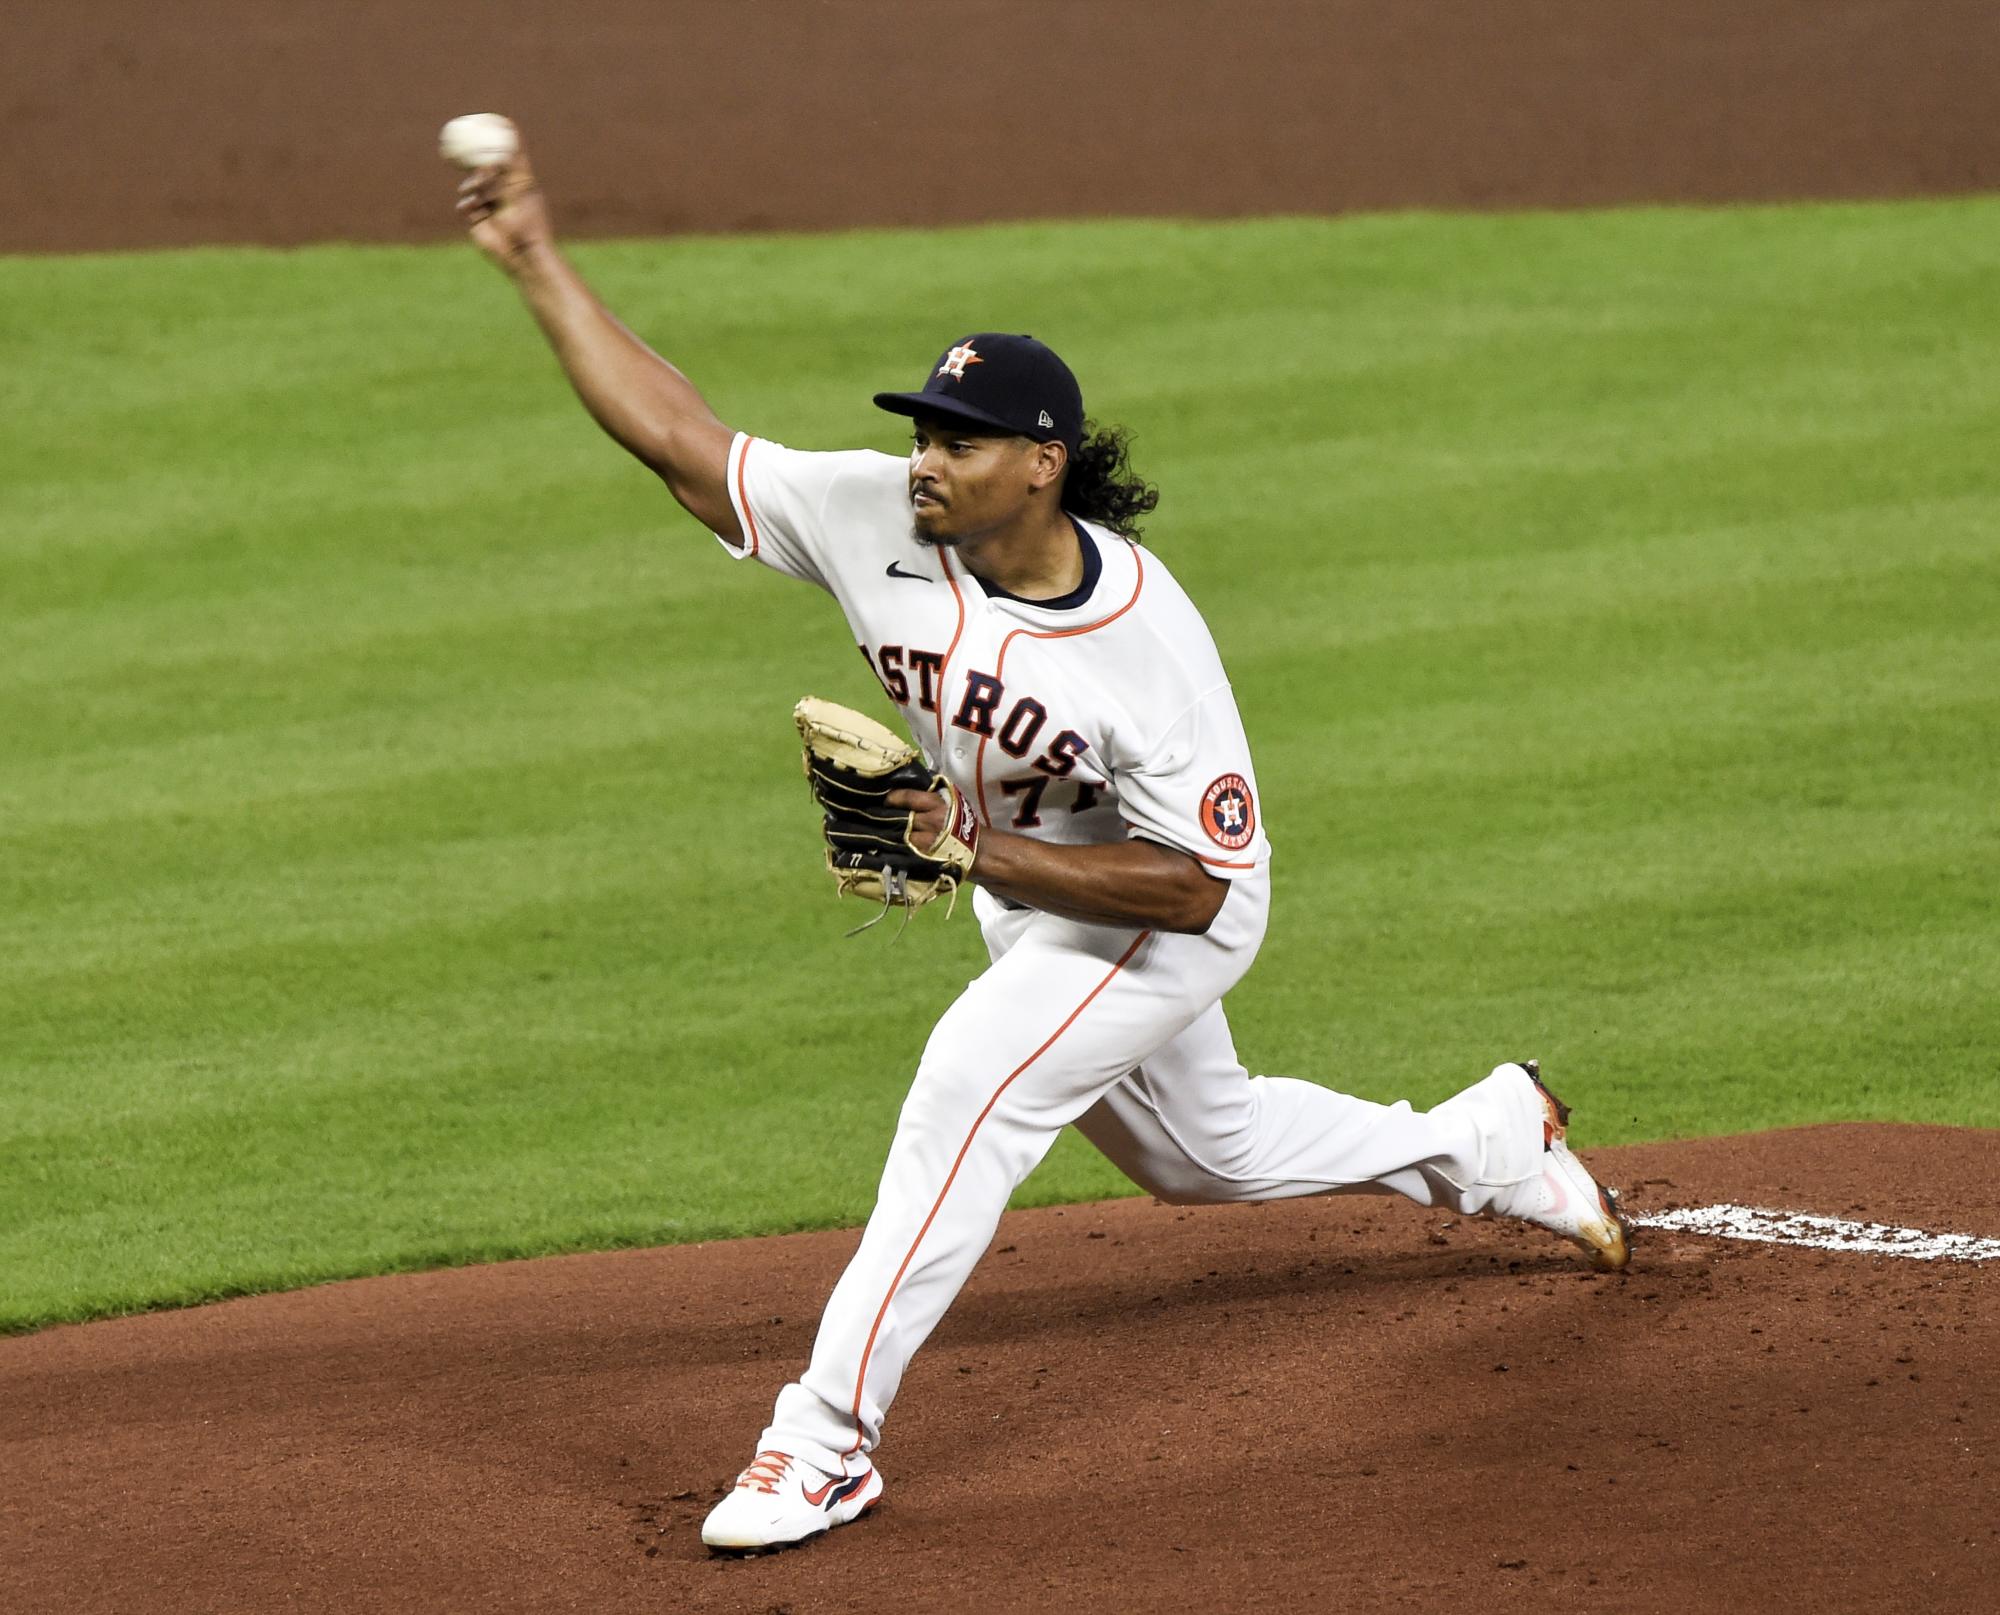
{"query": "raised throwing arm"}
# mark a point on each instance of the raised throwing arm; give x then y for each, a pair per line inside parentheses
(639, 398)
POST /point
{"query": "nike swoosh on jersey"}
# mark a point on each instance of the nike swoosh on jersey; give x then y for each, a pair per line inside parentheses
(896, 571)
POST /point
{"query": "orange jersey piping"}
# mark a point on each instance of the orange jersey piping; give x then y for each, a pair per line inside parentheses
(944, 667)
(1000, 667)
(743, 493)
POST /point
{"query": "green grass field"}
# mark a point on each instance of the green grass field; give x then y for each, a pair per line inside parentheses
(402, 849)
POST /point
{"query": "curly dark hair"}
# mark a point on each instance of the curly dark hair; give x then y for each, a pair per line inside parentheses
(1101, 485)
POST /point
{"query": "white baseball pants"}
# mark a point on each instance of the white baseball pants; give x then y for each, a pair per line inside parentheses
(1122, 1034)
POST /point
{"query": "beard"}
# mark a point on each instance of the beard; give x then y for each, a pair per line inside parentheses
(931, 541)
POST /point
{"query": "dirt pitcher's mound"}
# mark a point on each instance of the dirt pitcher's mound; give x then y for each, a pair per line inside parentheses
(1340, 1402)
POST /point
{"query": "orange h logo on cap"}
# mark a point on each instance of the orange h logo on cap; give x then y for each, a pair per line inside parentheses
(956, 361)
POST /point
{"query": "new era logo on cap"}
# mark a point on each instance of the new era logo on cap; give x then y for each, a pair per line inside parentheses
(994, 380)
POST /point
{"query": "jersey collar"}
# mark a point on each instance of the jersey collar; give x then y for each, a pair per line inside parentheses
(1093, 569)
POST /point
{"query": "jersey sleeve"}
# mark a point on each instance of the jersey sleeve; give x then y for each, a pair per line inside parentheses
(780, 496)
(1194, 790)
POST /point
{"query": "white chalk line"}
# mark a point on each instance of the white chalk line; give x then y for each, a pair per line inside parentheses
(1823, 1233)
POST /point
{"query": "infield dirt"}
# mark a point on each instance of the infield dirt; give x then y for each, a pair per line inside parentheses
(1344, 1403)
(1133, 1407)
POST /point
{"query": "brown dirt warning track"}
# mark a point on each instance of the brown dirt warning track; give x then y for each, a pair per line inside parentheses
(1341, 1403)
(126, 123)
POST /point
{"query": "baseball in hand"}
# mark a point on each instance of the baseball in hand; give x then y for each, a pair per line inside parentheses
(479, 140)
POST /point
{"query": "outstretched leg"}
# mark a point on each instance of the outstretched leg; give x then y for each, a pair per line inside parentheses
(1192, 1126)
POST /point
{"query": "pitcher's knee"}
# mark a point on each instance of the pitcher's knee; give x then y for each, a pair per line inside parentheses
(954, 1104)
(947, 1095)
(1188, 1184)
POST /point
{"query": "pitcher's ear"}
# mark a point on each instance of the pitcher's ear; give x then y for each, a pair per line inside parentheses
(1047, 467)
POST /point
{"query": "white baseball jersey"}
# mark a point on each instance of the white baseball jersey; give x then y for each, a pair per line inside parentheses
(1086, 719)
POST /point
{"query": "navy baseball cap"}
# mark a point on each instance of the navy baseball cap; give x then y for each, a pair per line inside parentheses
(1012, 383)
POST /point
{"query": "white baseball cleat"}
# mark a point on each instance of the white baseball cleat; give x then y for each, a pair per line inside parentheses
(780, 1501)
(1563, 1196)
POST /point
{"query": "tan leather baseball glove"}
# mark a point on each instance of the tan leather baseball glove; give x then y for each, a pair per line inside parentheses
(853, 763)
